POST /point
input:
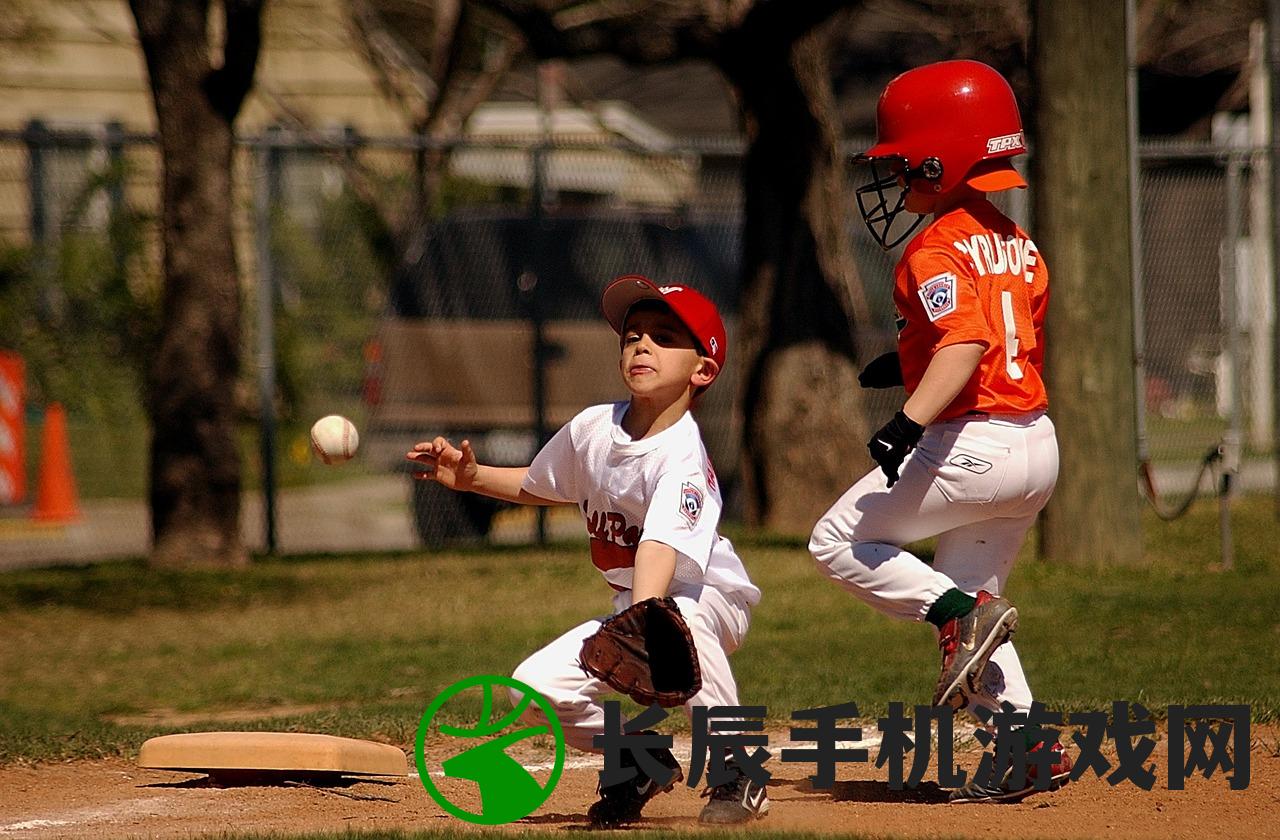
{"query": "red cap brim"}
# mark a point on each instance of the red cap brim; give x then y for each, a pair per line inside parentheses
(624, 293)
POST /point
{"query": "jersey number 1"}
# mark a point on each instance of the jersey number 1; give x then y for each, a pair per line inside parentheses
(1011, 366)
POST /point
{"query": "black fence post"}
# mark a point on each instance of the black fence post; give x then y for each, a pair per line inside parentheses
(529, 288)
(266, 195)
(37, 140)
(351, 142)
(114, 138)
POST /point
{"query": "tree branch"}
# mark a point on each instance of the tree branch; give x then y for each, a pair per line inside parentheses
(783, 22)
(640, 34)
(399, 72)
(449, 22)
(453, 25)
(449, 117)
(228, 85)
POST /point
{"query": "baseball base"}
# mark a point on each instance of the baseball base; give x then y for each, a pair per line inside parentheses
(282, 753)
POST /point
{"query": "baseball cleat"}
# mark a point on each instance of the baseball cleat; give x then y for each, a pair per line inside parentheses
(622, 803)
(967, 643)
(1060, 774)
(738, 801)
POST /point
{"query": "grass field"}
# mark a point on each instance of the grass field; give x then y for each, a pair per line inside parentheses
(97, 659)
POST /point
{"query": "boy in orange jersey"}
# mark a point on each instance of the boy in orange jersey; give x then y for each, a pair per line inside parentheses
(971, 458)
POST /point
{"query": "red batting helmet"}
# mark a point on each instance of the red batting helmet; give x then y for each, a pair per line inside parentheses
(938, 126)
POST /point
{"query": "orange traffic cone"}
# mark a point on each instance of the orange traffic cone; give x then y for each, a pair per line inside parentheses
(56, 491)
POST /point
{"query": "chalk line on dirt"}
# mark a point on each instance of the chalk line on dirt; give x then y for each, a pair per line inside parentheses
(682, 751)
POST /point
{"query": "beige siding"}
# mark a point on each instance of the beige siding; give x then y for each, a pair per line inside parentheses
(311, 68)
(89, 71)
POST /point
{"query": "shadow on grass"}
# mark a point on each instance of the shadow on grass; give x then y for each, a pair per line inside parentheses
(125, 587)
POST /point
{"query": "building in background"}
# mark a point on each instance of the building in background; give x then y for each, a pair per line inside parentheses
(78, 69)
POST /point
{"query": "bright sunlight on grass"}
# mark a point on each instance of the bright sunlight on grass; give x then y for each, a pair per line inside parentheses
(97, 659)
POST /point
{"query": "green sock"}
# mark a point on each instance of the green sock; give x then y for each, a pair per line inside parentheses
(1027, 735)
(951, 604)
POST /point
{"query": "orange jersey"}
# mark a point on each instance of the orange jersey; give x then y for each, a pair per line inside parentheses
(972, 275)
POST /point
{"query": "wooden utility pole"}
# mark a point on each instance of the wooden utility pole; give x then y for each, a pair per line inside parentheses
(1082, 223)
(1273, 69)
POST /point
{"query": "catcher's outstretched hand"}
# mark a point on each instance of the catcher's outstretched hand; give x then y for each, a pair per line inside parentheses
(442, 462)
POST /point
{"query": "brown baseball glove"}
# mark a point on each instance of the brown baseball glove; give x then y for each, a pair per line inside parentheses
(647, 653)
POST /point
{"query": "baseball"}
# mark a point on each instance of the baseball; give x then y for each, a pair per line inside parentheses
(334, 439)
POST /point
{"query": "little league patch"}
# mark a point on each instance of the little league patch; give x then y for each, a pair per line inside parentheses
(938, 294)
(690, 502)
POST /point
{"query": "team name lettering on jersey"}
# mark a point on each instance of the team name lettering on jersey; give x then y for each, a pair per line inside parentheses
(939, 295)
(992, 254)
(613, 541)
(1001, 293)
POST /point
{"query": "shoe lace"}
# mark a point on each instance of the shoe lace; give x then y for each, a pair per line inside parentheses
(621, 788)
(731, 791)
(949, 634)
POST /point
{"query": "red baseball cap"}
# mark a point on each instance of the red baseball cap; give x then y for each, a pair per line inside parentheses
(693, 309)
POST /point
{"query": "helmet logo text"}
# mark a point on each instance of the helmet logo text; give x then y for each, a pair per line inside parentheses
(1006, 143)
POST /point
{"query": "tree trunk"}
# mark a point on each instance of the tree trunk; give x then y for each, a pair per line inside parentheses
(804, 431)
(195, 461)
(1082, 226)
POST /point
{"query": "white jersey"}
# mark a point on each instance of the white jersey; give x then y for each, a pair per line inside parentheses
(660, 488)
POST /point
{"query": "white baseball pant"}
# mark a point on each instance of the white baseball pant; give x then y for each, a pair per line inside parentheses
(976, 483)
(718, 622)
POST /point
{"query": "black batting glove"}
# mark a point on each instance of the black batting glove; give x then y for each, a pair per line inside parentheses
(890, 445)
(882, 372)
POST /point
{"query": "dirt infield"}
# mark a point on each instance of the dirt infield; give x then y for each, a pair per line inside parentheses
(114, 798)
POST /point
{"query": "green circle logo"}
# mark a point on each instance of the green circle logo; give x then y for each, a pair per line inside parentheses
(508, 791)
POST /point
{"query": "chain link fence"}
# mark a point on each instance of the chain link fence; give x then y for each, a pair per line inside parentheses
(1207, 315)
(453, 289)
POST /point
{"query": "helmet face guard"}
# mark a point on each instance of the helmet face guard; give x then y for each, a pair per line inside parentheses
(938, 127)
(881, 207)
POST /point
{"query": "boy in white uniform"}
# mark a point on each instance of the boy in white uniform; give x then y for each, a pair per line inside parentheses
(640, 475)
